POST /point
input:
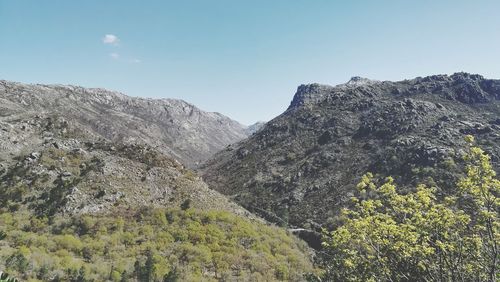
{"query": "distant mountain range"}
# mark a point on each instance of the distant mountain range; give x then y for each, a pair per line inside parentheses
(171, 126)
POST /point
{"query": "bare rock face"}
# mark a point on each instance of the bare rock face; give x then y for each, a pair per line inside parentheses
(302, 167)
(173, 127)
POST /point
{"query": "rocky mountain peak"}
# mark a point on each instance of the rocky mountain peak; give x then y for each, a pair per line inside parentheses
(309, 93)
(314, 92)
(357, 81)
(463, 87)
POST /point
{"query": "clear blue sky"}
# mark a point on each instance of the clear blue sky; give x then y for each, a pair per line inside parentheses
(242, 58)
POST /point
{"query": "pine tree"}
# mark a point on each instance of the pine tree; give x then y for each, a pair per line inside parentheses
(148, 267)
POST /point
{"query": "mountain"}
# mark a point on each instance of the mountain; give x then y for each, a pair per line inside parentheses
(173, 127)
(51, 165)
(302, 167)
(71, 150)
(87, 194)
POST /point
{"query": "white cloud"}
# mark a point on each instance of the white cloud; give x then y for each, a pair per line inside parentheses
(110, 39)
(136, 61)
(115, 56)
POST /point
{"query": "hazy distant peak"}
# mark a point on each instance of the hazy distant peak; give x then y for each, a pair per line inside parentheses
(255, 127)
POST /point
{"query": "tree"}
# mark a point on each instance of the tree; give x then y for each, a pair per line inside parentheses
(145, 272)
(4, 277)
(480, 189)
(80, 275)
(388, 236)
(171, 276)
(138, 270)
(148, 272)
(124, 276)
(186, 204)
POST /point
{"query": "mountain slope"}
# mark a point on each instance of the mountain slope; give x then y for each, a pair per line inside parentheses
(52, 165)
(301, 167)
(77, 207)
(174, 127)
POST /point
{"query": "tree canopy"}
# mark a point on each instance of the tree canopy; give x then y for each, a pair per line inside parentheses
(418, 236)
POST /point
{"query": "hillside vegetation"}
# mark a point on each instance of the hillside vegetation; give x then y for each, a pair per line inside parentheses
(149, 245)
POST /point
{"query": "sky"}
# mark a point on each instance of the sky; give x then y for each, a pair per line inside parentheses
(243, 59)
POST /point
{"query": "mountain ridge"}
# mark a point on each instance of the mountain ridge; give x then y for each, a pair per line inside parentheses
(176, 127)
(301, 167)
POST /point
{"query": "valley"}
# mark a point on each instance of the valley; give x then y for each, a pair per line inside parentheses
(96, 185)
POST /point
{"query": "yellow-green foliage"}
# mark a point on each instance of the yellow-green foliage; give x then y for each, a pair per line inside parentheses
(150, 245)
(388, 236)
(480, 190)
